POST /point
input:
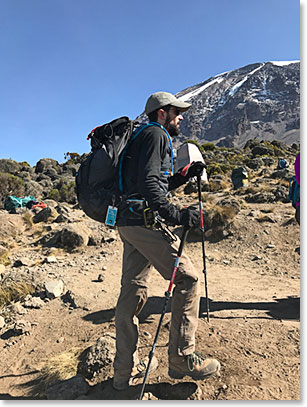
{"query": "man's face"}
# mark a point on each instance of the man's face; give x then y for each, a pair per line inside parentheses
(173, 120)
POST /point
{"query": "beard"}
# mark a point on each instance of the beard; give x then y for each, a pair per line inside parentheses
(173, 130)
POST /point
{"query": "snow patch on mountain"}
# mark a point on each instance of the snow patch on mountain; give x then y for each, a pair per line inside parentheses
(189, 95)
(284, 63)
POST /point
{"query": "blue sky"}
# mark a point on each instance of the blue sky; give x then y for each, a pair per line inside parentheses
(70, 65)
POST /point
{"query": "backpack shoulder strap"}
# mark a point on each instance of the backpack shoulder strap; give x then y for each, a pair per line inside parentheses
(136, 133)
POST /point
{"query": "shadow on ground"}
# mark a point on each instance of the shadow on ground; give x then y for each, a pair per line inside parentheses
(162, 391)
(281, 308)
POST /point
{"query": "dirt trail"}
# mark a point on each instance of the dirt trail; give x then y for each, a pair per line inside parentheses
(254, 328)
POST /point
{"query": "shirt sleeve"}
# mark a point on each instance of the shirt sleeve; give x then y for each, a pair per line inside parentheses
(153, 150)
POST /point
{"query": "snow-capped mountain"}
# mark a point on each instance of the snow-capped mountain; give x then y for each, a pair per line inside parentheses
(259, 100)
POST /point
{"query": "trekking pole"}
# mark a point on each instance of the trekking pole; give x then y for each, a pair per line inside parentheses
(202, 228)
(167, 297)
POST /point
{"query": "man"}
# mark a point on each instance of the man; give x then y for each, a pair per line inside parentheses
(147, 179)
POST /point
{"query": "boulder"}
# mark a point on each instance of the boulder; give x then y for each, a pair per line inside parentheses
(9, 166)
(43, 215)
(254, 163)
(262, 150)
(45, 163)
(33, 188)
(97, 357)
(74, 236)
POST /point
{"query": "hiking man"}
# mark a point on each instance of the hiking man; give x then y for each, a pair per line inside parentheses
(147, 180)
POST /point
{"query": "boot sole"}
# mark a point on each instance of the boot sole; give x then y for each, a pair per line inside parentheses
(178, 375)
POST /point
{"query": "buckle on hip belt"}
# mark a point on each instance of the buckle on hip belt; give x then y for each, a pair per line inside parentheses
(149, 218)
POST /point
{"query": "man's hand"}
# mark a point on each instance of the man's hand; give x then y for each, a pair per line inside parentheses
(194, 169)
(190, 217)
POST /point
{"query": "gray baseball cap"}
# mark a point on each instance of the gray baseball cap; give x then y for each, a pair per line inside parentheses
(159, 99)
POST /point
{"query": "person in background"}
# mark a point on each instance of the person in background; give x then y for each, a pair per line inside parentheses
(298, 180)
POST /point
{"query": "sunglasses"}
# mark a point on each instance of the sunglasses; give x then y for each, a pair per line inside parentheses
(177, 111)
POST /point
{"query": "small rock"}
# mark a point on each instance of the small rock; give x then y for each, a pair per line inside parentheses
(54, 288)
(100, 278)
(17, 308)
(51, 259)
(147, 334)
(60, 340)
(22, 327)
(149, 396)
(74, 301)
(256, 258)
(270, 246)
(34, 302)
(2, 322)
(43, 215)
(104, 268)
(22, 262)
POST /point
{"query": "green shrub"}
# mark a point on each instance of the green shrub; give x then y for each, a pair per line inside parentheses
(214, 169)
(208, 146)
(65, 192)
(10, 185)
(54, 194)
(72, 158)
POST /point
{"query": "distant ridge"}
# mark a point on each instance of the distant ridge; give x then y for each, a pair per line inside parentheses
(260, 100)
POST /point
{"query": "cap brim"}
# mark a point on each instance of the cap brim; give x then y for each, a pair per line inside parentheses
(183, 106)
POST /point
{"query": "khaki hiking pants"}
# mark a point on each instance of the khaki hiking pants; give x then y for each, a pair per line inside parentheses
(142, 248)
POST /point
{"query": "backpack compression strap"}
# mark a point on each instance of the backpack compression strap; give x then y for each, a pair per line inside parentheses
(138, 131)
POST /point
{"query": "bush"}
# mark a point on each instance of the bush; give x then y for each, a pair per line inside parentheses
(14, 291)
(54, 194)
(10, 185)
(73, 158)
(65, 192)
(208, 147)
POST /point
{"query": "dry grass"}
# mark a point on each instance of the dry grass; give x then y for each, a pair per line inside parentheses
(28, 219)
(59, 367)
(13, 291)
(215, 186)
(225, 212)
(4, 258)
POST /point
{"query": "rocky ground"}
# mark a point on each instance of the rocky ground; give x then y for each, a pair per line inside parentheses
(74, 263)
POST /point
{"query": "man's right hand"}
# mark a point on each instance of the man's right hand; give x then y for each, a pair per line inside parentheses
(190, 217)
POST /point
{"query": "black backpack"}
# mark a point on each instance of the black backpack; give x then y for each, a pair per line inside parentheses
(99, 177)
(96, 178)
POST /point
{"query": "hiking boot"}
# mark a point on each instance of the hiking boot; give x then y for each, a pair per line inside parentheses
(195, 365)
(122, 383)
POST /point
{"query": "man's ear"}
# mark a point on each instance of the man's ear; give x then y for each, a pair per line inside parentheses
(162, 115)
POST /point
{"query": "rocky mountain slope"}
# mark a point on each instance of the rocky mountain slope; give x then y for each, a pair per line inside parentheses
(260, 100)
